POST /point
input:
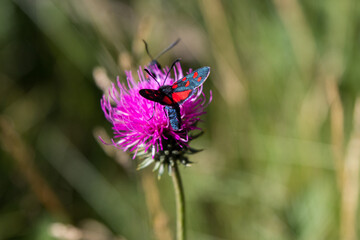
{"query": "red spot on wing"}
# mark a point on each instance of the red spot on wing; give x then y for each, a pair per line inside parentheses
(167, 100)
(187, 83)
(184, 79)
(195, 74)
(174, 86)
(181, 96)
(199, 79)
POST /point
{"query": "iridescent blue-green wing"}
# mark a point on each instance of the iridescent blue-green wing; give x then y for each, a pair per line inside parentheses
(183, 88)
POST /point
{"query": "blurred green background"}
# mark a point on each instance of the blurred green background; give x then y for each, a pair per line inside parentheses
(282, 135)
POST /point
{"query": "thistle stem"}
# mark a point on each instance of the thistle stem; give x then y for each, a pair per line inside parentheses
(180, 203)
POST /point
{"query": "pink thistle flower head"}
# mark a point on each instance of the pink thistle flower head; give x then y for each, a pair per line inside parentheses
(142, 126)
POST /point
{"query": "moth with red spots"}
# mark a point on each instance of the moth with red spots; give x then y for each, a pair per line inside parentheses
(173, 95)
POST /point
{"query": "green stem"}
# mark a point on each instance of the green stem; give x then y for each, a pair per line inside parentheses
(180, 203)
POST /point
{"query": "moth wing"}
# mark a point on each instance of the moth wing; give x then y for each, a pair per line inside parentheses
(184, 88)
(151, 94)
(156, 96)
(192, 80)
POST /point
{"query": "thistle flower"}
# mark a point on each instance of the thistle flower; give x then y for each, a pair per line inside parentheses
(142, 126)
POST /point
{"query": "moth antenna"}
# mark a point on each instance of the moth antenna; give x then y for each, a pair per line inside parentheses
(152, 113)
(151, 75)
(167, 49)
(147, 50)
(172, 65)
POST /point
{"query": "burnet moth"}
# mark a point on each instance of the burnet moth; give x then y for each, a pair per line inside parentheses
(154, 61)
(173, 95)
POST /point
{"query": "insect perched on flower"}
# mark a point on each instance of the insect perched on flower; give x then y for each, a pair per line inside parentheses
(177, 93)
(154, 62)
(145, 130)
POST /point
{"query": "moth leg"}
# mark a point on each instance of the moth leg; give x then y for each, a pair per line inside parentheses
(153, 113)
